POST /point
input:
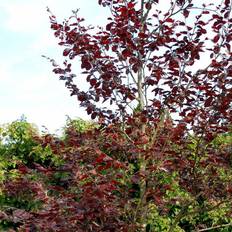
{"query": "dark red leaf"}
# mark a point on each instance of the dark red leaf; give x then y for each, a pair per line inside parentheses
(126, 53)
(23, 168)
(55, 26)
(66, 51)
(148, 5)
(169, 20)
(215, 16)
(82, 97)
(227, 3)
(93, 115)
(131, 5)
(216, 38)
(93, 82)
(208, 101)
(186, 13)
(86, 64)
(114, 48)
(108, 26)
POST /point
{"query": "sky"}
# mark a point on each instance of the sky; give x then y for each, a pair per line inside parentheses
(27, 85)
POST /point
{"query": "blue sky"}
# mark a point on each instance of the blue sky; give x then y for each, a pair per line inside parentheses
(27, 84)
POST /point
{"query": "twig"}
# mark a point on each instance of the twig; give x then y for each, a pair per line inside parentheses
(215, 227)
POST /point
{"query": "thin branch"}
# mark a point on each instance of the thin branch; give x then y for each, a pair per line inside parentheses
(215, 227)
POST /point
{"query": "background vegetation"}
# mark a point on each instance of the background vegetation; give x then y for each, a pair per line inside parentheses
(44, 178)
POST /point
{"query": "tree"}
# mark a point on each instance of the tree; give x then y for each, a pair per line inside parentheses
(156, 153)
(145, 63)
(146, 59)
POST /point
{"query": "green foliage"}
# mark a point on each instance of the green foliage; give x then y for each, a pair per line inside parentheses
(20, 202)
(79, 125)
(16, 142)
(45, 156)
(19, 145)
(158, 222)
(223, 140)
(209, 219)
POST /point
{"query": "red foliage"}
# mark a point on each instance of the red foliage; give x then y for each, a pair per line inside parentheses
(122, 50)
(97, 190)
